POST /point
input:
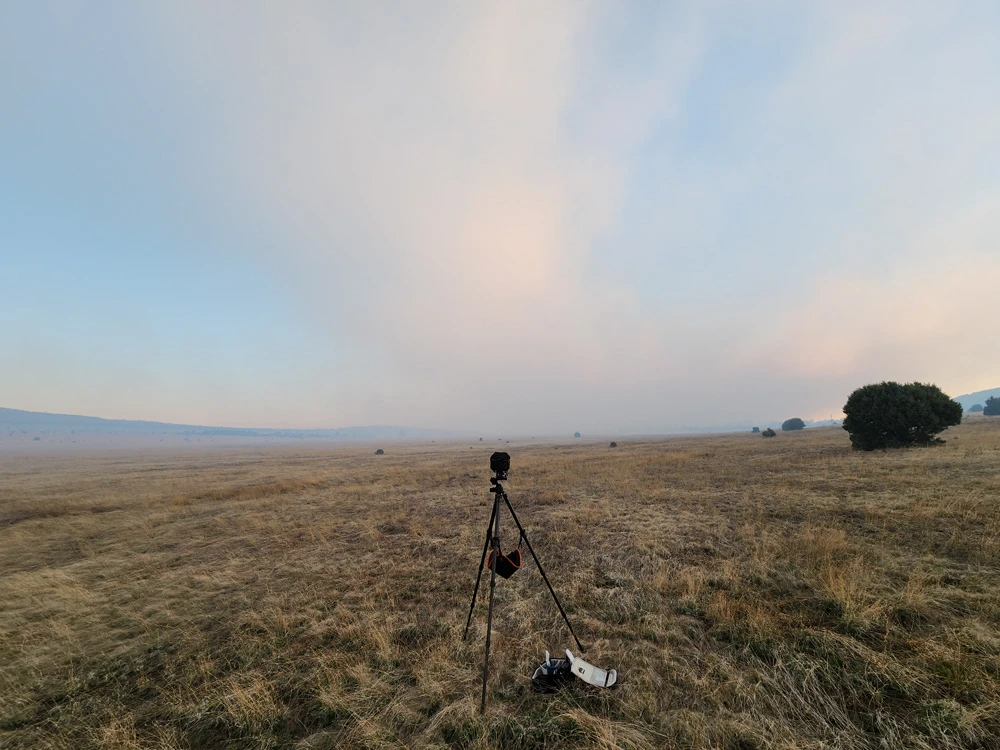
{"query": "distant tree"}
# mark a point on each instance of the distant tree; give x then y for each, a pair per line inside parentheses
(975, 408)
(480, 440)
(768, 433)
(380, 452)
(613, 444)
(755, 429)
(893, 415)
(576, 434)
(792, 424)
(992, 407)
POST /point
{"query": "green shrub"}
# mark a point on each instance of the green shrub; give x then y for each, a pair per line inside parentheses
(893, 415)
(992, 407)
(792, 424)
(768, 433)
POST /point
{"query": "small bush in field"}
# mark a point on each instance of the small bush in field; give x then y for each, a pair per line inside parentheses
(768, 433)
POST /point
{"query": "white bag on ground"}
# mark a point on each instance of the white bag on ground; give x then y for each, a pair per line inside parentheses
(591, 674)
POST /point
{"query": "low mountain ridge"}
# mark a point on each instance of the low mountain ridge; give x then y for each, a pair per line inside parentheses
(979, 397)
(16, 420)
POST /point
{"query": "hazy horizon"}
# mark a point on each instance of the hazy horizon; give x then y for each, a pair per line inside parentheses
(42, 422)
(533, 217)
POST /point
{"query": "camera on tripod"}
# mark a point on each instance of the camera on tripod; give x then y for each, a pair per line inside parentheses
(500, 464)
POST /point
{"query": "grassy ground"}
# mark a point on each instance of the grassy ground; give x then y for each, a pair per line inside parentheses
(753, 593)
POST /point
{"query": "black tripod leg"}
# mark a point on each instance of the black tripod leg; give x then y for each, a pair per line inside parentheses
(540, 570)
(482, 562)
(489, 625)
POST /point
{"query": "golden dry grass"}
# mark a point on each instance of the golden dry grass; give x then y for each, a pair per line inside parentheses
(783, 593)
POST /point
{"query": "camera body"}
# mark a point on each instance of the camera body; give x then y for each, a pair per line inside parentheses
(500, 464)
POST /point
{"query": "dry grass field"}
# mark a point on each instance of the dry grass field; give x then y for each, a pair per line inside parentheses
(753, 593)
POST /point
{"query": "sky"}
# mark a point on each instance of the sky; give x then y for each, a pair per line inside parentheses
(516, 217)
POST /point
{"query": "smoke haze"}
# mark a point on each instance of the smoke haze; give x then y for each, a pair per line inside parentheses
(533, 217)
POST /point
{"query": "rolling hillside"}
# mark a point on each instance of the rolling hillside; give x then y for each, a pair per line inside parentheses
(979, 397)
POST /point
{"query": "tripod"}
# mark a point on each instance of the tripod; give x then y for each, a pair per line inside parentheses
(493, 543)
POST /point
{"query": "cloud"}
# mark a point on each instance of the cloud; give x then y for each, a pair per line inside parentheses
(444, 182)
(440, 181)
(928, 317)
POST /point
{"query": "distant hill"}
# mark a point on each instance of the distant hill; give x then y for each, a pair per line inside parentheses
(31, 422)
(979, 397)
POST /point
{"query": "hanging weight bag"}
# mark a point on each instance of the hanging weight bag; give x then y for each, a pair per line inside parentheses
(506, 565)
